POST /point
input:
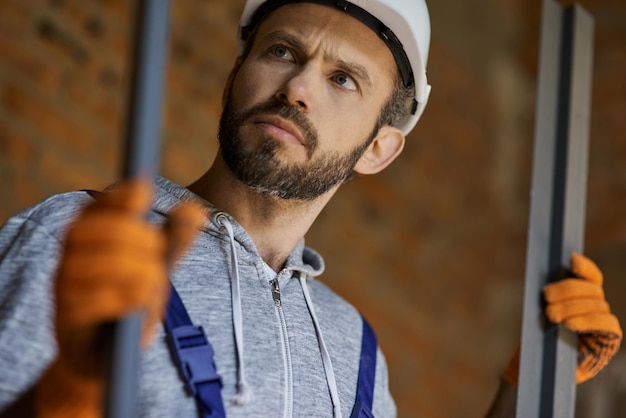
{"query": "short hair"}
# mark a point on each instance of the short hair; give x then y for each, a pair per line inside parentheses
(399, 105)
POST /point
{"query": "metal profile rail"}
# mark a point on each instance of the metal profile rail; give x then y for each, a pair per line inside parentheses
(143, 135)
(547, 381)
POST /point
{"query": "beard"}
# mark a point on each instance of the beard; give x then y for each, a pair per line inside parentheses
(259, 167)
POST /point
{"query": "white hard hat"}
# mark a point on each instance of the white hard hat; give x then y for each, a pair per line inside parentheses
(403, 25)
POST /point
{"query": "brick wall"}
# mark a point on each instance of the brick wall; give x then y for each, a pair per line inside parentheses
(431, 250)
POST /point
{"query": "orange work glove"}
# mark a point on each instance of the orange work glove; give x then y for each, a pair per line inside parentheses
(115, 264)
(580, 305)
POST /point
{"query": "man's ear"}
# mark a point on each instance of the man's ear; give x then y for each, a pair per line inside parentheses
(385, 147)
(230, 79)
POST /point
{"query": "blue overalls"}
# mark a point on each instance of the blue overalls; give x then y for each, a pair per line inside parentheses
(193, 354)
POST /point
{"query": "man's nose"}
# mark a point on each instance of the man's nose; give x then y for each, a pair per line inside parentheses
(300, 87)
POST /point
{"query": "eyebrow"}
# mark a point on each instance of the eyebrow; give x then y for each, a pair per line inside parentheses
(284, 36)
(353, 68)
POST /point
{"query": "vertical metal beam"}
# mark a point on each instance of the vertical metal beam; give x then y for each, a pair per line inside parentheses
(143, 135)
(547, 382)
(143, 123)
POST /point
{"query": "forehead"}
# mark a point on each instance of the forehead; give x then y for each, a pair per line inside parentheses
(332, 32)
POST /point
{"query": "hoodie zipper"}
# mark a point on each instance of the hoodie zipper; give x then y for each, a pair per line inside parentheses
(287, 351)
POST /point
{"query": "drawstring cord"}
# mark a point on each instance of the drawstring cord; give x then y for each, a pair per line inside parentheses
(243, 390)
(328, 366)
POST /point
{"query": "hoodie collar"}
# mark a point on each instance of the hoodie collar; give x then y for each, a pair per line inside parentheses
(168, 195)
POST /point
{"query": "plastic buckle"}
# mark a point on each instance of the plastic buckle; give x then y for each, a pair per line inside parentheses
(194, 356)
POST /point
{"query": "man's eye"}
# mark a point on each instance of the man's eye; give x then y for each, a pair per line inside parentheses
(345, 81)
(282, 52)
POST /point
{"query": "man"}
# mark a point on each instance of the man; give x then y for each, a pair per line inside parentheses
(321, 90)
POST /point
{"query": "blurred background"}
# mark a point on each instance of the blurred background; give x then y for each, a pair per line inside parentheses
(432, 250)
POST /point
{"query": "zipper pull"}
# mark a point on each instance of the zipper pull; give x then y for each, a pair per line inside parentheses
(275, 292)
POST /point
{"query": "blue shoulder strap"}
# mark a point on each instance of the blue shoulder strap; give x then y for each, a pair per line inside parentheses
(367, 374)
(194, 357)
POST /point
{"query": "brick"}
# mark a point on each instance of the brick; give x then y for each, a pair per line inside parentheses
(47, 119)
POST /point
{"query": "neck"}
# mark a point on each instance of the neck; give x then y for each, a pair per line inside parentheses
(275, 225)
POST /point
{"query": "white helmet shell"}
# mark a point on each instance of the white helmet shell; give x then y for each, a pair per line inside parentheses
(407, 19)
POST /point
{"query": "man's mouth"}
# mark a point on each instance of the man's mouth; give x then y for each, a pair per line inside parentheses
(280, 128)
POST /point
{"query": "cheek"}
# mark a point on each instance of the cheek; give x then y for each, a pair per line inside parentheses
(249, 87)
(350, 123)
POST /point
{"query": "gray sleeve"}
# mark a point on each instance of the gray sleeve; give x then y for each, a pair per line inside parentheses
(29, 255)
(384, 405)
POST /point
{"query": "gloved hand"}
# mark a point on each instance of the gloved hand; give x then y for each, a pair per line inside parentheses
(580, 305)
(114, 264)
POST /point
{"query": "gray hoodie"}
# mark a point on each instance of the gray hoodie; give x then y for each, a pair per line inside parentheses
(298, 356)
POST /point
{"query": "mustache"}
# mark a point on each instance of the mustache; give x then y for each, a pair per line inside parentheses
(288, 112)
